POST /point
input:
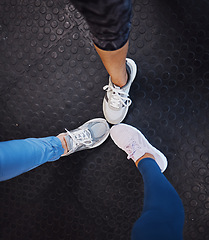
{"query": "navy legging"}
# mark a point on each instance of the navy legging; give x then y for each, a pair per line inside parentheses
(162, 217)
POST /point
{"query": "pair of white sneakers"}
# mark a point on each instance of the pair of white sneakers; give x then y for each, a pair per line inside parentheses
(115, 107)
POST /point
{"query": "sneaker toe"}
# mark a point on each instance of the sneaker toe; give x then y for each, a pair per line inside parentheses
(118, 133)
(99, 130)
(114, 116)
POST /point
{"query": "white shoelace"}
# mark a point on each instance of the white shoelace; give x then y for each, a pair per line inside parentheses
(80, 137)
(132, 148)
(118, 97)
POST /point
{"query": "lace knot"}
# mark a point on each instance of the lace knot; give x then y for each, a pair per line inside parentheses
(118, 97)
(132, 148)
(80, 137)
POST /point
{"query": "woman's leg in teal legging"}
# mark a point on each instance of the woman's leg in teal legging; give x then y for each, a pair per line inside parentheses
(163, 213)
(19, 156)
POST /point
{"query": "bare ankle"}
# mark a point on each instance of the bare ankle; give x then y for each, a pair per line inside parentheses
(120, 81)
(63, 141)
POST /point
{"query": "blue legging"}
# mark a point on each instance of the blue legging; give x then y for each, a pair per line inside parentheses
(162, 217)
(19, 156)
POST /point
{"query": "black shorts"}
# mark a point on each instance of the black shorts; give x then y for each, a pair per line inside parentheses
(109, 21)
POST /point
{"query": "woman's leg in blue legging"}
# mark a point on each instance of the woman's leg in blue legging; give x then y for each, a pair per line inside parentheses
(19, 156)
(162, 217)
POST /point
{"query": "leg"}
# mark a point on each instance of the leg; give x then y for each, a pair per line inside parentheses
(115, 63)
(110, 23)
(19, 156)
(163, 214)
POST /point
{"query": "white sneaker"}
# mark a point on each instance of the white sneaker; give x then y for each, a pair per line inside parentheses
(133, 142)
(89, 135)
(116, 101)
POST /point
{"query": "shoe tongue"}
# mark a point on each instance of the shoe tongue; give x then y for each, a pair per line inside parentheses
(73, 140)
(134, 151)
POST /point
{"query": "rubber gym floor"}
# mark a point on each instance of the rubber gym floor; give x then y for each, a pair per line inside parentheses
(51, 78)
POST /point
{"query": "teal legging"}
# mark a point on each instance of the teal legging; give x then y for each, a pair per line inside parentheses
(162, 217)
(19, 156)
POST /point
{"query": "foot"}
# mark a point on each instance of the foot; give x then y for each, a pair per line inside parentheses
(133, 142)
(89, 135)
(116, 101)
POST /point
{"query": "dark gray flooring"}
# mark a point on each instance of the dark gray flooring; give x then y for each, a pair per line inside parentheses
(52, 78)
